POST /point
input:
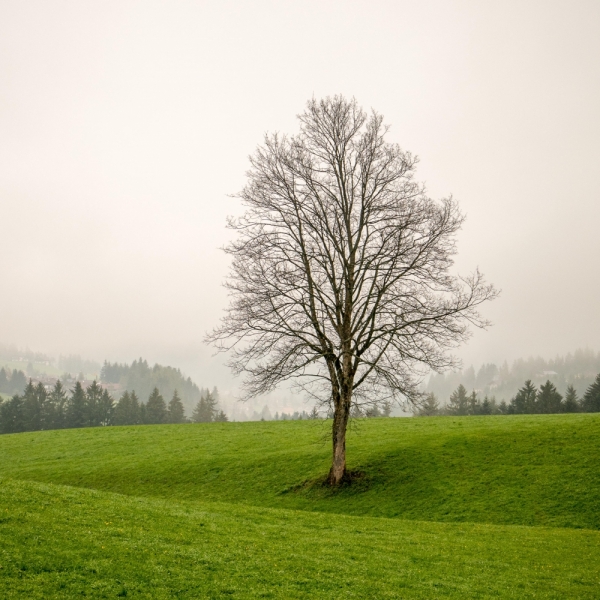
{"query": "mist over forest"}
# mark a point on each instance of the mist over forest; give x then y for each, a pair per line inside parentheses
(503, 381)
(500, 382)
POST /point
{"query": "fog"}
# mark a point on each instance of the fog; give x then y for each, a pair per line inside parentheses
(125, 126)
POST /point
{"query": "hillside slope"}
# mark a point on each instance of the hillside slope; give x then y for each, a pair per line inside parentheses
(64, 542)
(520, 470)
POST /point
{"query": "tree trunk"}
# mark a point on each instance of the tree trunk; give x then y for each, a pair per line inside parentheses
(340, 422)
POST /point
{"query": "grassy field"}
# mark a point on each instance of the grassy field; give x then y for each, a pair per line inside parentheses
(446, 507)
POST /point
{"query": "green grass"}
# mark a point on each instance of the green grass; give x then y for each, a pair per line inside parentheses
(446, 508)
(521, 470)
(61, 542)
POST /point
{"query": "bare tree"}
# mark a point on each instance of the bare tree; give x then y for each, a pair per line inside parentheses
(341, 269)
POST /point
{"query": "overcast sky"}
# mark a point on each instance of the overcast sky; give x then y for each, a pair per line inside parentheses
(125, 125)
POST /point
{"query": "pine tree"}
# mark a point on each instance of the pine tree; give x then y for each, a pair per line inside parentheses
(3, 381)
(486, 407)
(314, 414)
(474, 406)
(122, 409)
(136, 416)
(156, 409)
(591, 398)
(127, 410)
(525, 400)
(221, 417)
(176, 412)
(56, 407)
(430, 406)
(206, 409)
(77, 407)
(571, 403)
(106, 409)
(386, 409)
(94, 405)
(548, 400)
(459, 402)
(34, 399)
(12, 419)
(143, 417)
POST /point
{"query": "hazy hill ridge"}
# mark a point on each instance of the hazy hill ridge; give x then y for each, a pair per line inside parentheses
(140, 377)
(578, 369)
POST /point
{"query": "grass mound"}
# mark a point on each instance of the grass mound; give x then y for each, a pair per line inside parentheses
(519, 470)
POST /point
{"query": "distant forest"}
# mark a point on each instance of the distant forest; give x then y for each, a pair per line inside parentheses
(38, 408)
(141, 378)
(502, 382)
(529, 400)
(138, 376)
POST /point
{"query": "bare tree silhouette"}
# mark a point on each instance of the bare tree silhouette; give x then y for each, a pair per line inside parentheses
(340, 273)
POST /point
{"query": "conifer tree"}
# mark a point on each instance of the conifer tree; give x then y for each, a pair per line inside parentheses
(76, 408)
(198, 411)
(571, 404)
(3, 381)
(156, 409)
(176, 412)
(136, 415)
(143, 418)
(12, 419)
(314, 414)
(94, 405)
(106, 408)
(206, 409)
(430, 406)
(591, 398)
(548, 400)
(122, 414)
(128, 410)
(459, 402)
(525, 400)
(474, 406)
(33, 402)
(486, 407)
(221, 417)
(386, 408)
(56, 407)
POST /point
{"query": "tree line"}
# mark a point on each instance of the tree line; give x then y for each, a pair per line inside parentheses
(528, 400)
(39, 409)
(143, 378)
(503, 381)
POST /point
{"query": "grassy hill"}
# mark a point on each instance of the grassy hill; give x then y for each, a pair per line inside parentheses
(525, 470)
(445, 507)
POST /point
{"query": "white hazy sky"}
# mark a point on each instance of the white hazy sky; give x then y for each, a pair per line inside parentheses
(125, 125)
